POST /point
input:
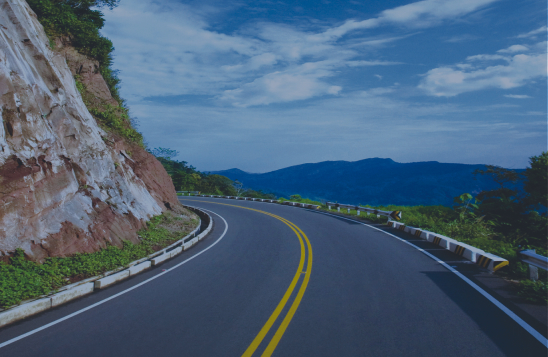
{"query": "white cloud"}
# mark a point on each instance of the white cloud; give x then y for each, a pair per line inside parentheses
(168, 48)
(517, 96)
(365, 122)
(371, 63)
(430, 12)
(461, 38)
(298, 83)
(165, 48)
(484, 58)
(514, 49)
(418, 14)
(476, 75)
(533, 33)
(540, 46)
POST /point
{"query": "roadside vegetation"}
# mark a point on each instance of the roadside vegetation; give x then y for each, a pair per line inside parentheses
(23, 279)
(186, 178)
(79, 22)
(503, 221)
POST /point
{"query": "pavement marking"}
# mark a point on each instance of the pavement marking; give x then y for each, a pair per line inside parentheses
(15, 339)
(277, 311)
(281, 330)
(542, 339)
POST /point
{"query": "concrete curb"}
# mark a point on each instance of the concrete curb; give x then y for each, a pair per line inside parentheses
(67, 295)
(111, 279)
(25, 310)
(89, 285)
(136, 269)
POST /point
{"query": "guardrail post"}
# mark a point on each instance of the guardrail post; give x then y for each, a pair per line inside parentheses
(338, 209)
(533, 273)
(357, 212)
(329, 208)
(534, 261)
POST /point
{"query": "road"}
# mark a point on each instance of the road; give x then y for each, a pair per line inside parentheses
(282, 281)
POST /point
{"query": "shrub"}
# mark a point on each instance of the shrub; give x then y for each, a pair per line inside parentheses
(117, 119)
(24, 279)
(80, 22)
(534, 291)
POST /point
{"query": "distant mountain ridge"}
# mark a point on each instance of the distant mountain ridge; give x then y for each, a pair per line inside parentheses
(372, 181)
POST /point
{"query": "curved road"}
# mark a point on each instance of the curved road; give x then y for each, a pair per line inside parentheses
(285, 281)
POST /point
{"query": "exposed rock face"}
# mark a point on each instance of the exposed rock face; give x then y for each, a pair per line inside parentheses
(86, 69)
(66, 185)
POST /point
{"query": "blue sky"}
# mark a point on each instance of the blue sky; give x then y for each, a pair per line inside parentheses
(262, 85)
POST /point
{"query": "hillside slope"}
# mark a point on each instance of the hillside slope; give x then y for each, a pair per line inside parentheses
(66, 184)
(371, 181)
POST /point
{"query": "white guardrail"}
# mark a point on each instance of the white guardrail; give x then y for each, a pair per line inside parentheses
(289, 203)
(87, 286)
(475, 255)
(535, 261)
(395, 215)
(189, 192)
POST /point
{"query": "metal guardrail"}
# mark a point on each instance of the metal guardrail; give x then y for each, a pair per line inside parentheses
(396, 215)
(189, 192)
(288, 203)
(535, 261)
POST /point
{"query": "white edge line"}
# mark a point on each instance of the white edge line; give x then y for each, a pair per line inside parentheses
(542, 339)
(15, 339)
(497, 303)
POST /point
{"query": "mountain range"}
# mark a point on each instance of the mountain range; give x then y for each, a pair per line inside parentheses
(372, 181)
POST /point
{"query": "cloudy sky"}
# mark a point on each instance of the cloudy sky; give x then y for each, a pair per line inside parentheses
(262, 85)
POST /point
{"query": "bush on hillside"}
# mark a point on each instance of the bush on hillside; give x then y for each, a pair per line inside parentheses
(80, 22)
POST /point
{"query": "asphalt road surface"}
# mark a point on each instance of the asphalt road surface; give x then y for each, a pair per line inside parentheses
(282, 281)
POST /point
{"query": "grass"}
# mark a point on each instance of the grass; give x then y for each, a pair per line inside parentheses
(464, 228)
(24, 279)
(534, 291)
(80, 22)
(116, 119)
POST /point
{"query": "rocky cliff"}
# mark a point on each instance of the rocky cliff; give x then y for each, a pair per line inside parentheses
(66, 185)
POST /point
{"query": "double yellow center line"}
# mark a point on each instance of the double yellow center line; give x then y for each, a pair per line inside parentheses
(281, 305)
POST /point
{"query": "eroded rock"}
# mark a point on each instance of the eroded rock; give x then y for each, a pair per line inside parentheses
(66, 185)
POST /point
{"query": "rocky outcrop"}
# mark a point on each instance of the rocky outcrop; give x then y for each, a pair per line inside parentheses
(86, 70)
(66, 185)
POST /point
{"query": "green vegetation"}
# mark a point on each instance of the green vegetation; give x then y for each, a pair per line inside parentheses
(503, 221)
(23, 279)
(534, 291)
(117, 118)
(79, 21)
(76, 20)
(186, 178)
(298, 198)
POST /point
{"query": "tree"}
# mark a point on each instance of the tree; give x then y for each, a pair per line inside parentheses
(86, 4)
(239, 187)
(164, 152)
(511, 212)
(464, 206)
(536, 185)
